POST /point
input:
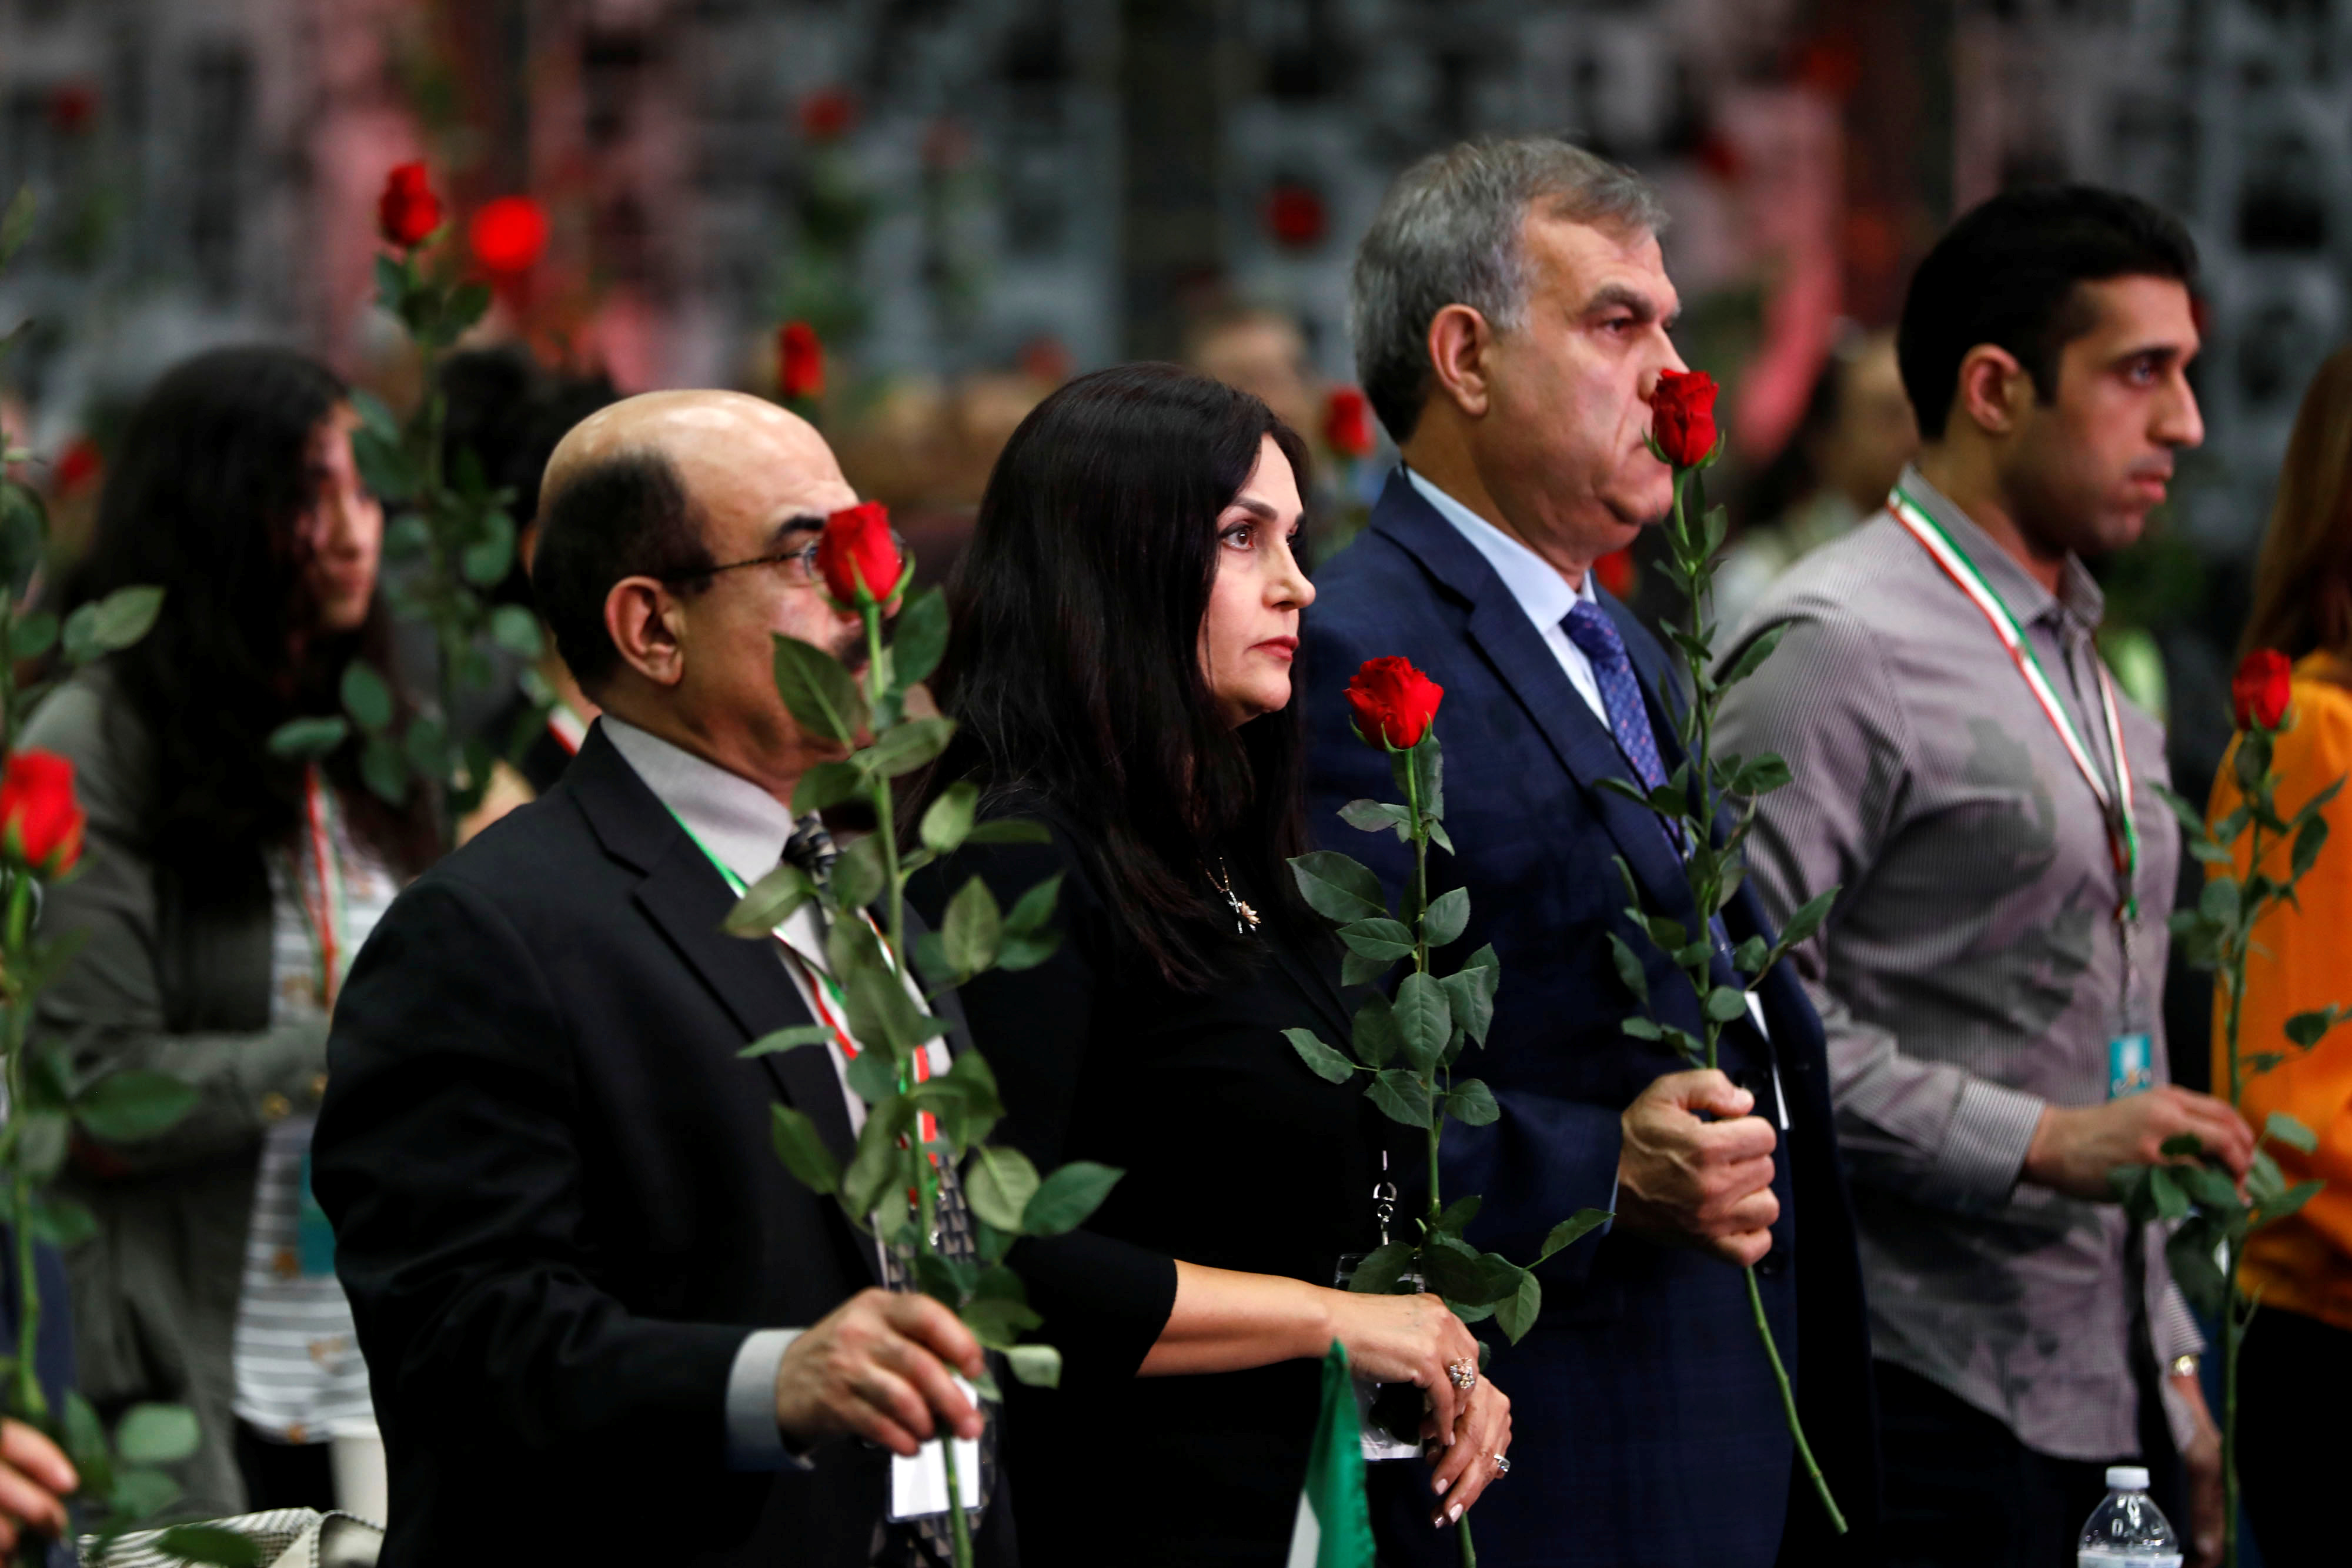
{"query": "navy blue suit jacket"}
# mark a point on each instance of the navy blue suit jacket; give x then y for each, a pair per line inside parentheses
(1648, 1428)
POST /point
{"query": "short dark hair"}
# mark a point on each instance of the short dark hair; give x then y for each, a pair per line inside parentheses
(2006, 274)
(628, 515)
(1074, 671)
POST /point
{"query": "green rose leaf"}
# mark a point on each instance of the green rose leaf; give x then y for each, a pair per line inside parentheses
(1009, 831)
(1028, 939)
(804, 1153)
(1038, 1365)
(487, 560)
(214, 1546)
(1339, 888)
(366, 698)
(1375, 1035)
(1381, 1268)
(156, 1434)
(1376, 816)
(2290, 1131)
(1725, 1003)
(825, 785)
(1321, 1060)
(2191, 1255)
(1355, 969)
(949, 819)
(62, 1222)
(2296, 1196)
(879, 1163)
(2307, 1029)
(1758, 648)
(820, 694)
(516, 629)
(1382, 938)
(999, 1185)
(1424, 1019)
(140, 1493)
(1515, 1313)
(119, 620)
(1572, 1229)
(383, 768)
(903, 747)
(1472, 1103)
(2165, 1193)
(769, 903)
(919, 637)
(42, 1139)
(997, 1322)
(856, 877)
(1457, 1215)
(33, 635)
(1629, 969)
(1401, 1097)
(309, 737)
(1066, 1198)
(785, 1039)
(1471, 995)
(974, 929)
(123, 1107)
(1449, 913)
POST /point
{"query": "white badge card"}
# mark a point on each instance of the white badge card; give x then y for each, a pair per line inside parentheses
(919, 1487)
(2131, 1065)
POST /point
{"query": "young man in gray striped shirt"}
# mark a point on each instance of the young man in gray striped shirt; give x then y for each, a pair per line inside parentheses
(1990, 981)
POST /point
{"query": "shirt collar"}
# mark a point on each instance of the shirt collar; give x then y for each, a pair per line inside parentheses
(1534, 581)
(739, 823)
(2082, 600)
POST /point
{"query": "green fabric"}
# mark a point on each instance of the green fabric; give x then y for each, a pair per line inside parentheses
(1335, 1472)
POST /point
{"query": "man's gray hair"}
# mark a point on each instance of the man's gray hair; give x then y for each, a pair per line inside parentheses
(1449, 232)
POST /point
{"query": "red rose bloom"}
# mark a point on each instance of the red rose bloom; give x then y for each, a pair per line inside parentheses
(799, 362)
(1296, 217)
(2258, 692)
(408, 212)
(857, 557)
(1392, 702)
(1348, 423)
(1682, 416)
(40, 821)
(508, 234)
(827, 114)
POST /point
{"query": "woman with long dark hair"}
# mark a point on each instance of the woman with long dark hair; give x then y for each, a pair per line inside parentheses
(1120, 672)
(2297, 1354)
(224, 891)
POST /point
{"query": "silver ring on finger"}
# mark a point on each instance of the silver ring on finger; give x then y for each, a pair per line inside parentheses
(1465, 1373)
(1502, 1464)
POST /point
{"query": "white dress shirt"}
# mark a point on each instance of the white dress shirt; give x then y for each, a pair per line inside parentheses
(744, 828)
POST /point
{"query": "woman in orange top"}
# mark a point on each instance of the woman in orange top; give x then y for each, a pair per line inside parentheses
(2297, 1366)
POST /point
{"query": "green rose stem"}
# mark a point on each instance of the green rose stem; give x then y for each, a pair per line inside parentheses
(1418, 895)
(927, 1175)
(2203, 1203)
(1707, 865)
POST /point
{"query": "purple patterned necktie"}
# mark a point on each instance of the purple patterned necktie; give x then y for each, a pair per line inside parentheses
(1588, 627)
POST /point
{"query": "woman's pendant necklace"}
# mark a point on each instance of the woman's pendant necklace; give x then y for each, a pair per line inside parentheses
(1244, 917)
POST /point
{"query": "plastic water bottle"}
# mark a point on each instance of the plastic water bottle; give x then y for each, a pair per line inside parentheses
(2128, 1531)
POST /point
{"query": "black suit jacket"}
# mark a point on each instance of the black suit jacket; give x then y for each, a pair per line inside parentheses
(558, 1210)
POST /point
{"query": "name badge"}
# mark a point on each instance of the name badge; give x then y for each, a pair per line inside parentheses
(2131, 1065)
(919, 1487)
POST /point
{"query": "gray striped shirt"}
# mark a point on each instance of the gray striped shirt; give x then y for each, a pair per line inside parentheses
(1972, 971)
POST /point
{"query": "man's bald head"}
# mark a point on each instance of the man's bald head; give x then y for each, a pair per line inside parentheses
(667, 486)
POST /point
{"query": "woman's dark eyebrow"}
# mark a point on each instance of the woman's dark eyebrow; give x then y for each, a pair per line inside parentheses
(1258, 508)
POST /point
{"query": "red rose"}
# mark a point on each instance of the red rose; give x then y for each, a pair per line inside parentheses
(78, 467)
(1348, 423)
(1616, 571)
(1393, 702)
(40, 821)
(408, 212)
(1296, 216)
(508, 234)
(799, 362)
(1682, 416)
(827, 114)
(858, 557)
(2258, 692)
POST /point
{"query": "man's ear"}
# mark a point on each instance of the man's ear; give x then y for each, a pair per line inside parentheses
(641, 617)
(1460, 342)
(1993, 389)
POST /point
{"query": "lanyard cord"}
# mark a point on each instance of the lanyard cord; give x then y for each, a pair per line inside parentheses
(326, 909)
(2114, 804)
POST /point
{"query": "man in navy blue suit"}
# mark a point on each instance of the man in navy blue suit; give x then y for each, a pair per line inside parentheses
(1510, 313)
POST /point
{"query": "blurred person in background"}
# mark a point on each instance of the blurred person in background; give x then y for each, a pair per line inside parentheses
(1968, 775)
(1262, 352)
(2295, 1366)
(225, 892)
(510, 411)
(1856, 435)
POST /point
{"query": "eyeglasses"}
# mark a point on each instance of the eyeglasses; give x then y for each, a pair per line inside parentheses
(800, 564)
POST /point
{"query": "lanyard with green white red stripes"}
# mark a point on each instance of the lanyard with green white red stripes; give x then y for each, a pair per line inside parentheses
(2116, 799)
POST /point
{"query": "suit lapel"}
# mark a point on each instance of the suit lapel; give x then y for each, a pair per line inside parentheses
(1528, 667)
(685, 898)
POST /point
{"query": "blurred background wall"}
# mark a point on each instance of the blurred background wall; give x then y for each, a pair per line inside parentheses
(972, 199)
